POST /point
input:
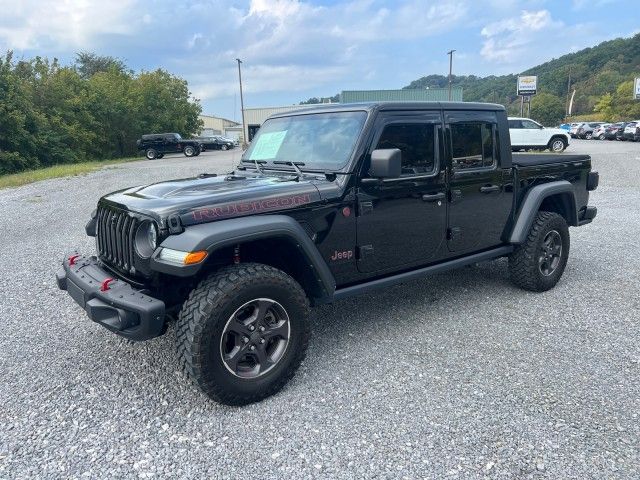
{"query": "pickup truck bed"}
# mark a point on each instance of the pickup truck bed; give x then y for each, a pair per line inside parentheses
(533, 159)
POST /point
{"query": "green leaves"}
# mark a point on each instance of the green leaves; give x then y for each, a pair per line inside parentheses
(93, 110)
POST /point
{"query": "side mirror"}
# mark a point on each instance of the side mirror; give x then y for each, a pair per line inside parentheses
(386, 163)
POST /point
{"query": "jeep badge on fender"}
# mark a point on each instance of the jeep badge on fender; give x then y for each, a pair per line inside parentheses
(413, 188)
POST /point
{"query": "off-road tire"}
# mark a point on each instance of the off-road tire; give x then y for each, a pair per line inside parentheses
(524, 268)
(557, 144)
(189, 151)
(204, 317)
(151, 154)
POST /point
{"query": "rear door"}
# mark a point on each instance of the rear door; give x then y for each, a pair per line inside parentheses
(402, 221)
(516, 132)
(480, 190)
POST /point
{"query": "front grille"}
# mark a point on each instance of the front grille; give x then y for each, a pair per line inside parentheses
(115, 238)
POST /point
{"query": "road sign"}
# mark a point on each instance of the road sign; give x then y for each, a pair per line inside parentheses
(527, 85)
(636, 88)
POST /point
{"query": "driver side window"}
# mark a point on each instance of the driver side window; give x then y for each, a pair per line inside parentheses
(417, 143)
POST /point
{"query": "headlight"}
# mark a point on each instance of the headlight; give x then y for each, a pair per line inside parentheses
(146, 239)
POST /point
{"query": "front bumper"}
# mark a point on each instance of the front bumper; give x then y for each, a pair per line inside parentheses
(119, 307)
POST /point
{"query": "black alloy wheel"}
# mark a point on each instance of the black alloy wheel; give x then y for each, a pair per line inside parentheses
(255, 338)
(550, 253)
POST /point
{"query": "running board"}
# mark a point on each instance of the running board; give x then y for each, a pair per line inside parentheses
(341, 293)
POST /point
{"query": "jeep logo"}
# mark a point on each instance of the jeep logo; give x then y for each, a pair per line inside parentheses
(345, 255)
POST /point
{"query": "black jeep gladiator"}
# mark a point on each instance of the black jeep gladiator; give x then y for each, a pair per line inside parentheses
(155, 145)
(326, 203)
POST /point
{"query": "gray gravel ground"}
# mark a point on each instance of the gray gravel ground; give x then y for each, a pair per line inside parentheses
(460, 375)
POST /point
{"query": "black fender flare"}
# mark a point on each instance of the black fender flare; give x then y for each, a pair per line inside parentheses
(531, 205)
(215, 235)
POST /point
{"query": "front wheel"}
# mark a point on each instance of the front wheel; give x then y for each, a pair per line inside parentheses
(224, 147)
(539, 262)
(243, 332)
(151, 154)
(588, 136)
(557, 145)
(601, 136)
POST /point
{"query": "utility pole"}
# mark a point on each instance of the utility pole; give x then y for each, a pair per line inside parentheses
(568, 93)
(244, 135)
(450, 53)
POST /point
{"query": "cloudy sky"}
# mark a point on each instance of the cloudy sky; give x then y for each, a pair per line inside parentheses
(293, 50)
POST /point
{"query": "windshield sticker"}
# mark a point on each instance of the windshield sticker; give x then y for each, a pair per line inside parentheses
(267, 145)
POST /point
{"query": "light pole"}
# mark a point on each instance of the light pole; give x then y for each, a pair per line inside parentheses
(450, 53)
(244, 134)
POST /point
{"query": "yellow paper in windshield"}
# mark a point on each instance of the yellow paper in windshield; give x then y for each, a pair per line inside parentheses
(267, 145)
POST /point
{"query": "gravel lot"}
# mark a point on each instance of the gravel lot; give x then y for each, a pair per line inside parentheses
(459, 375)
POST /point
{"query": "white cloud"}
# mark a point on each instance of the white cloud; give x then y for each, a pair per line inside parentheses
(34, 24)
(507, 39)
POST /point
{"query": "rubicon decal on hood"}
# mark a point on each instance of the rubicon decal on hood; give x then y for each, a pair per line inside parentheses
(216, 212)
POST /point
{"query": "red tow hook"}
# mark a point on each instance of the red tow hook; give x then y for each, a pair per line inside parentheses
(105, 284)
(72, 259)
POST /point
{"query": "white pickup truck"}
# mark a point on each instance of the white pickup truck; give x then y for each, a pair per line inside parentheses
(529, 135)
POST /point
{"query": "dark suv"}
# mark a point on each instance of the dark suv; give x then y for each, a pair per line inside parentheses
(155, 145)
(215, 142)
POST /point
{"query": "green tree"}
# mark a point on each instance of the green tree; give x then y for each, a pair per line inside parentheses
(88, 64)
(547, 109)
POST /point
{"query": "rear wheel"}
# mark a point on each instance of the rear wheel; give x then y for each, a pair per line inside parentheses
(557, 144)
(243, 332)
(539, 262)
(189, 151)
(601, 136)
(151, 154)
(588, 135)
(224, 147)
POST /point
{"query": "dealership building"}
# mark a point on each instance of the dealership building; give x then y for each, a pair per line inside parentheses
(255, 117)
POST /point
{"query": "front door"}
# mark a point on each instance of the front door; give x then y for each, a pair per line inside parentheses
(402, 221)
(480, 190)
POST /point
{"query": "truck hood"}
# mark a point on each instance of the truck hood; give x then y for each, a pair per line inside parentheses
(208, 198)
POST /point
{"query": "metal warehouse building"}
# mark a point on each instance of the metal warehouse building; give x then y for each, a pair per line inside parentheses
(255, 117)
(220, 126)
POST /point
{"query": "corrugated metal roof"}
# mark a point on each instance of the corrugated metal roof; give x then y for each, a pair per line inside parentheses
(408, 95)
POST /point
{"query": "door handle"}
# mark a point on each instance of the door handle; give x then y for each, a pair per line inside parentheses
(433, 197)
(490, 188)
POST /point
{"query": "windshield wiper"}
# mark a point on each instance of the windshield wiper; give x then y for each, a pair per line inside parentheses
(256, 163)
(293, 164)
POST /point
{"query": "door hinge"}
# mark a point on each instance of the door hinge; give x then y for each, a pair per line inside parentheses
(454, 233)
(364, 251)
(365, 208)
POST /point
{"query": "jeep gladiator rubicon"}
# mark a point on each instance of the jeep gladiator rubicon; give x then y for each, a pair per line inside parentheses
(155, 145)
(325, 203)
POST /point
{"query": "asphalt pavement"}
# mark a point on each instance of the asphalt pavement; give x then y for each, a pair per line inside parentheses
(460, 375)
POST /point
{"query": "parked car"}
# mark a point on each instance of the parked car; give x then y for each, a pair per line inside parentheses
(585, 130)
(155, 145)
(322, 206)
(632, 131)
(598, 132)
(215, 142)
(529, 135)
(614, 131)
(565, 126)
(573, 131)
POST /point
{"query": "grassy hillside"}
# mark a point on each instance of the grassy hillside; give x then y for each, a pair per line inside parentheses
(594, 72)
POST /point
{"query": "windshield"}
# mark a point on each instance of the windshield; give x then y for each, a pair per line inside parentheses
(322, 141)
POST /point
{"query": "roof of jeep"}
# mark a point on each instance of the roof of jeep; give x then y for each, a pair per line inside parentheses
(373, 106)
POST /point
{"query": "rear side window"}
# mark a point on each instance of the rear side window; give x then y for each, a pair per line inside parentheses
(472, 145)
(515, 124)
(417, 143)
